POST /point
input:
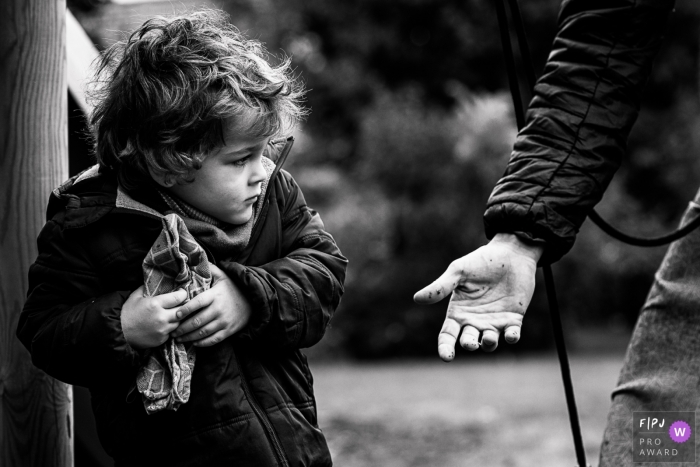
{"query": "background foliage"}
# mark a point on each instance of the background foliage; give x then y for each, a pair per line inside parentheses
(411, 126)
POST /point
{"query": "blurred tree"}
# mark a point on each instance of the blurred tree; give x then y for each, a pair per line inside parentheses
(403, 111)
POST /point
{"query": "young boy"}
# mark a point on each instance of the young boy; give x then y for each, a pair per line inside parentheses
(183, 123)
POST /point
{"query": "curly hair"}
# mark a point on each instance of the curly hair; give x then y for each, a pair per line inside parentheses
(163, 96)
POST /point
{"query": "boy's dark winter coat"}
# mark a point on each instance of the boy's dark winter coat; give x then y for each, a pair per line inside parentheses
(252, 401)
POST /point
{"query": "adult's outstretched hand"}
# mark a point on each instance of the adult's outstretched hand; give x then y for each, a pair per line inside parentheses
(491, 289)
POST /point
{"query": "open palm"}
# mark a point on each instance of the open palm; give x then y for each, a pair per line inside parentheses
(491, 289)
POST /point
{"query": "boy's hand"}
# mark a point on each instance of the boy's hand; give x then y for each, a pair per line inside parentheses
(491, 290)
(214, 314)
(148, 321)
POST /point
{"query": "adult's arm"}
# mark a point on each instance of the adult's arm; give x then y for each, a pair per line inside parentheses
(577, 126)
(583, 109)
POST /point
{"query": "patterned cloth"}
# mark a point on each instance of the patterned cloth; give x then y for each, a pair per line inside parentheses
(175, 261)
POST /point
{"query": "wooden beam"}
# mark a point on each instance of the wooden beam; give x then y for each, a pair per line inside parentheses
(36, 411)
(81, 54)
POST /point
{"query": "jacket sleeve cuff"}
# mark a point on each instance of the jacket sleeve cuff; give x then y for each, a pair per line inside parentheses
(536, 224)
(258, 295)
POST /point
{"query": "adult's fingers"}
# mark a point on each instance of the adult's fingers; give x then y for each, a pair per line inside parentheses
(172, 299)
(197, 303)
(469, 338)
(447, 339)
(489, 340)
(512, 334)
(440, 288)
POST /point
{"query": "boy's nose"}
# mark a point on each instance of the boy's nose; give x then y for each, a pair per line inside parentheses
(259, 173)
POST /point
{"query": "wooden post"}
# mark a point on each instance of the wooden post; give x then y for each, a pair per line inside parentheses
(36, 411)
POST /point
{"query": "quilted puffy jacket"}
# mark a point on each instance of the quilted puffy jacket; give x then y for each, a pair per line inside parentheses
(252, 401)
(582, 111)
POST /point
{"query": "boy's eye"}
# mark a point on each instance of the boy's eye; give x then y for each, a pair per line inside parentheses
(241, 162)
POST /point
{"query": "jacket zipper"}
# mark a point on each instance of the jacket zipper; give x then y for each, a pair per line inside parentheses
(259, 412)
(262, 417)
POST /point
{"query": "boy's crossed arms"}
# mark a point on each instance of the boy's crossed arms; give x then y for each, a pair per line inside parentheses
(207, 319)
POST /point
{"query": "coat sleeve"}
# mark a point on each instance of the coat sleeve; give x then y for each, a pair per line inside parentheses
(69, 324)
(294, 297)
(582, 111)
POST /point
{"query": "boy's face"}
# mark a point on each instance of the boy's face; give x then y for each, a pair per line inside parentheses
(229, 182)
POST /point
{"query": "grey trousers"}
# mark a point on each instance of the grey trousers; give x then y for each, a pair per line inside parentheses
(661, 370)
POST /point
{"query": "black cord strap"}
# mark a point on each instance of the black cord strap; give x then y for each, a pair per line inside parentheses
(645, 242)
(548, 276)
(522, 44)
(510, 64)
(564, 364)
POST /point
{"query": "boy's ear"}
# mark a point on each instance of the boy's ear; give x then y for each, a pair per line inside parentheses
(165, 181)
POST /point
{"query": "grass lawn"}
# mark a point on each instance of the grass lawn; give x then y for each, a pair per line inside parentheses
(483, 412)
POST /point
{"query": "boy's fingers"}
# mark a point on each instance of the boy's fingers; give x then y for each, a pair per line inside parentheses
(197, 303)
(140, 292)
(171, 326)
(202, 332)
(489, 340)
(211, 340)
(194, 322)
(469, 339)
(216, 272)
(512, 334)
(447, 339)
(172, 299)
(441, 288)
